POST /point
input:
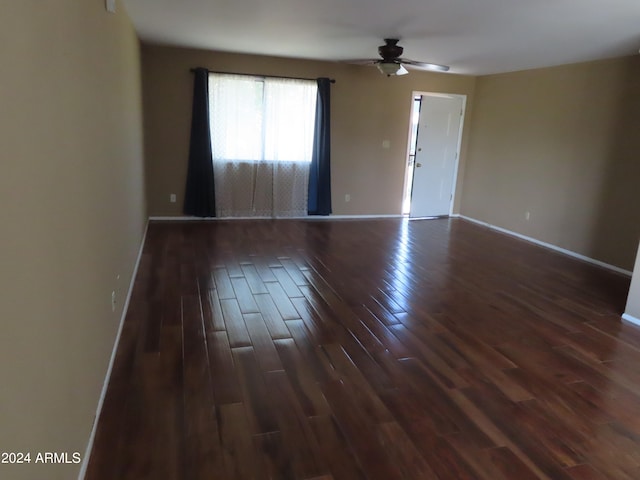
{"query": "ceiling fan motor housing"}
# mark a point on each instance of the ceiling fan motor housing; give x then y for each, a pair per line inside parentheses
(391, 50)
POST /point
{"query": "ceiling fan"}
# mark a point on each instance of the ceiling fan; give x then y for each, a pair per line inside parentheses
(392, 64)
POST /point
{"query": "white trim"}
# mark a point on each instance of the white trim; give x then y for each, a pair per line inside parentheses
(437, 217)
(550, 246)
(458, 152)
(103, 393)
(165, 218)
(186, 218)
(310, 217)
(354, 217)
(631, 319)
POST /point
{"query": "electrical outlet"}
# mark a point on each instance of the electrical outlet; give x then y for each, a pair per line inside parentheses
(386, 144)
(110, 6)
(347, 198)
(113, 301)
(172, 198)
(527, 215)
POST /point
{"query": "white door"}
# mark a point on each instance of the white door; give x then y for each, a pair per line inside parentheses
(436, 155)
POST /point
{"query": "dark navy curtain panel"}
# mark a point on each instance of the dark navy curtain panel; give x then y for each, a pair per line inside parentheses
(199, 199)
(320, 172)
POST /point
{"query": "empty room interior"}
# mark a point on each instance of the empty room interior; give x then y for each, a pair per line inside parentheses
(307, 240)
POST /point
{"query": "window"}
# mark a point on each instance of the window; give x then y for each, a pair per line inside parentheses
(256, 119)
(262, 140)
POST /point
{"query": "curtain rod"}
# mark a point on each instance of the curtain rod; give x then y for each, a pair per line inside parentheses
(261, 76)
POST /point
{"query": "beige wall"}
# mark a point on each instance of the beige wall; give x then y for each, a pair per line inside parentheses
(72, 215)
(561, 143)
(367, 108)
(633, 302)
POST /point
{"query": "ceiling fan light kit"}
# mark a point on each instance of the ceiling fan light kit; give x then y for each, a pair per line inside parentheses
(391, 68)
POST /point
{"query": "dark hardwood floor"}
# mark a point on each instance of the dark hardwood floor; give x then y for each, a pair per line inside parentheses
(384, 349)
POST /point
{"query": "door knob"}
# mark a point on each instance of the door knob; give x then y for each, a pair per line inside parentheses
(418, 165)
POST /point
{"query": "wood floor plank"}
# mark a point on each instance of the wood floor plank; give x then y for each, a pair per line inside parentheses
(272, 317)
(224, 378)
(234, 323)
(259, 409)
(256, 284)
(135, 456)
(585, 472)
(359, 431)
(509, 464)
(499, 463)
(311, 349)
(436, 397)
(313, 322)
(262, 343)
(297, 436)
(211, 310)
(282, 301)
(277, 459)
(202, 451)
(544, 455)
(287, 283)
(294, 271)
(223, 284)
(403, 452)
(379, 330)
(244, 296)
(358, 384)
(302, 380)
(262, 267)
(241, 458)
(440, 456)
(430, 359)
(370, 349)
(335, 449)
(168, 454)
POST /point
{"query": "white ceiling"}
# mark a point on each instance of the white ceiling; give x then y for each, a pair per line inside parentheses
(472, 36)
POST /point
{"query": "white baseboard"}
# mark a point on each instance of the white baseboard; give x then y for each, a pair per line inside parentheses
(186, 218)
(352, 217)
(550, 246)
(631, 319)
(103, 393)
(438, 217)
(175, 219)
(310, 217)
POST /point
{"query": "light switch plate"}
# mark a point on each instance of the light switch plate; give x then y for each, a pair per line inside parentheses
(111, 5)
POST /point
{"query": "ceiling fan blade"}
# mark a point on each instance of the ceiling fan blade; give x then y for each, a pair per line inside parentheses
(425, 66)
(361, 61)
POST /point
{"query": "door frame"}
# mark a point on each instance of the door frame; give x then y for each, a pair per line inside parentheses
(414, 94)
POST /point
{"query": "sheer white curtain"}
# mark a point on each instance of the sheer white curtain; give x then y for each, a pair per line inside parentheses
(261, 139)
